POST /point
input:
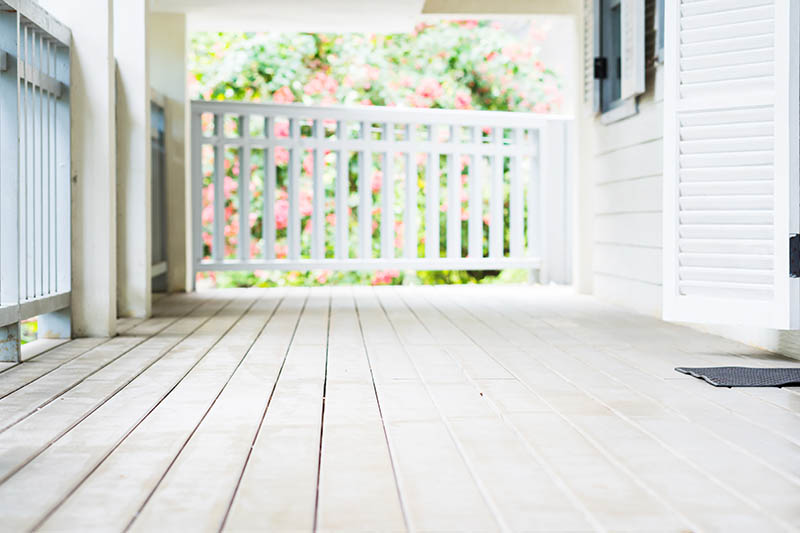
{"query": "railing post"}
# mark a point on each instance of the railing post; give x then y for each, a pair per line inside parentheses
(496, 196)
(432, 180)
(365, 194)
(318, 198)
(9, 194)
(535, 233)
(244, 190)
(387, 196)
(342, 190)
(475, 224)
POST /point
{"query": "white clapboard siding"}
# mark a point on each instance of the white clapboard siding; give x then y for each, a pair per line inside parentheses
(731, 181)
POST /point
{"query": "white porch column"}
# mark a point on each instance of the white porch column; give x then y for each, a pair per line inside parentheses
(168, 77)
(94, 192)
(133, 158)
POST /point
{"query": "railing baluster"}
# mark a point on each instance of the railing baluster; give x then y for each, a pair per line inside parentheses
(387, 194)
(516, 199)
(534, 194)
(23, 174)
(454, 197)
(197, 188)
(342, 190)
(244, 189)
(365, 195)
(432, 199)
(318, 199)
(410, 211)
(38, 197)
(293, 228)
(496, 197)
(62, 142)
(475, 229)
(268, 216)
(218, 237)
(50, 185)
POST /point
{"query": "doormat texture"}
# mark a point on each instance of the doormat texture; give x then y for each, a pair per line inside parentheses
(741, 376)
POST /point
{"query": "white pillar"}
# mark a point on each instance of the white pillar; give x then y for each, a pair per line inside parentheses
(133, 158)
(168, 77)
(94, 232)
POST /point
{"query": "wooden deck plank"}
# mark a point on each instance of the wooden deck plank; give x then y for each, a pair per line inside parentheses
(26, 400)
(279, 482)
(357, 486)
(109, 424)
(28, 371)
(436, 485)
(161, 436)
(768, 433)
(195, 492)
(24, 440)
(596, 427)
(438, 408)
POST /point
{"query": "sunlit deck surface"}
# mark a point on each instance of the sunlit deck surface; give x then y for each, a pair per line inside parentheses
(422, 408)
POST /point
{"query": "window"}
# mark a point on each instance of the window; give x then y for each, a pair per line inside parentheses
(617, 30)
(610, 54)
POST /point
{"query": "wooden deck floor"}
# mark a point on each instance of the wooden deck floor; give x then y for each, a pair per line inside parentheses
(447, 408)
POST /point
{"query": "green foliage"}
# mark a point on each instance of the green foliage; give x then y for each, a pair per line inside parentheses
(453, 64)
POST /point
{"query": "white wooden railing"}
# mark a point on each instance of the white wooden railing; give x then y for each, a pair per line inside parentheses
(34, 174)
(354, 188)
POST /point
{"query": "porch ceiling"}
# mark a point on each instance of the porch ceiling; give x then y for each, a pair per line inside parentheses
(304, 15)
(448, 408)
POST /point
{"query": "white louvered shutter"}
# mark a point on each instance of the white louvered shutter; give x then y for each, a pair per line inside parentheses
(632, 26)
(731, 180)
(591, 89)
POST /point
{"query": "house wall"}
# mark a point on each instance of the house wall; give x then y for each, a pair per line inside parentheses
(168, 77)
(621, 167)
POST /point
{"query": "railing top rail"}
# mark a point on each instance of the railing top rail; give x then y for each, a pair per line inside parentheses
(398, 115)
(33, 13)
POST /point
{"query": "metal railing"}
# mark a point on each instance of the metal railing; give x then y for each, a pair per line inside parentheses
(293, 187)
(34, 174)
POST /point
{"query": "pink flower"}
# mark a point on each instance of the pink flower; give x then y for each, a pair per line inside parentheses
(229, 186)
(366, 101)
(541, 107)
(281, 250)
(308, 164)
(377, 181)
(322, 276)
(384, 277)
(306, 207)
(281, 156)
(463, 100)
(281, 129)
(207, 215)
(429, 88)
(255, 250)
(207, 240)
(281, 214)
(330, 218)
(283, 95)
(486, 219)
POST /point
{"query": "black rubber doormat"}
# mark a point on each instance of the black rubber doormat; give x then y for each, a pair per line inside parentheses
(742, 376)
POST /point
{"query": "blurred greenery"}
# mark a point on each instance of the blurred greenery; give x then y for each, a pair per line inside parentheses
(465, 64)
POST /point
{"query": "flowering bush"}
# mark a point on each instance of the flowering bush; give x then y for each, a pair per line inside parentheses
(453, 64)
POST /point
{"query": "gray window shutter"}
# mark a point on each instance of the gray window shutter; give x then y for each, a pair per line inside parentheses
(633, 48)
(591, 89)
